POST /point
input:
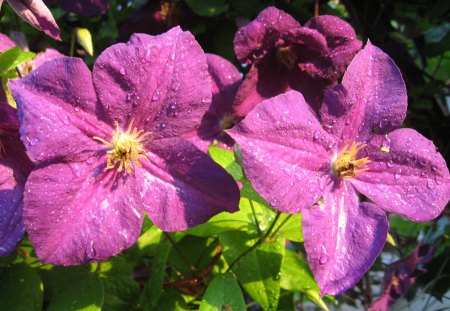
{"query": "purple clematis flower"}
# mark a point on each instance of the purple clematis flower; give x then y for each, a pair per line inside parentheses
(401, 275)
(220, 116)
(14, 169)
(108, 148)
(83, 7)
(286, 56)
(36, 13)
(300, 165)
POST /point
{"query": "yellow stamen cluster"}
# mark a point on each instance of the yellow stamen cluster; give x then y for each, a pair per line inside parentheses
(126, 147)
(346, 165)
(287, 56)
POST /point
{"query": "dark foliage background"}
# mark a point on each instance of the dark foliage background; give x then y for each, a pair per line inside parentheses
(416, 34)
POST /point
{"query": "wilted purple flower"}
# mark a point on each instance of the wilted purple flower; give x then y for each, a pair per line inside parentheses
(220, 116)
(36, 13)
(14, 168)
(83, 7)
(300, 165)
(107, 148)
(286, 56)
(401, 275)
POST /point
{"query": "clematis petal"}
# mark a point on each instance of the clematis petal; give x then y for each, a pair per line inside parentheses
(264, 80)
(376, 97)
(406, 175)
(6, 43)
(162, 81)
(11, 196)
(342, 238)
(341, 40)
(182, 187)
(43, 57)
(85, 7)
(283, 148)
(36, 13)
(74, 213)
(225, 80)
(56, 106)
(270, 28)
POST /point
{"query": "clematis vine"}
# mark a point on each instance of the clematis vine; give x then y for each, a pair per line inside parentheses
(299, 164)
(107, 146)
(220, 116)
(286, 56)
(36, 13)
(14, 169)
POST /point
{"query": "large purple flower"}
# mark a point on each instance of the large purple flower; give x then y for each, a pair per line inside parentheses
(301, 165)
(225, 80)
(14, 168)
(36, 13)
(286, 56)
(107, 148)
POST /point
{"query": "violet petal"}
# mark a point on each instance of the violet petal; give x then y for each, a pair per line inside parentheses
(73, 215)
(340, 37)
(342, 238)
(161, 81)
(254, 40)
(284, 147)
(36, 13)
(11, 224)
(376, 96)
(6, 43)
(408, 176)
(182, 186)
(56, 105)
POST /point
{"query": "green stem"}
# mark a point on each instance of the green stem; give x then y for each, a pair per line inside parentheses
(260, 240)
(281, 225)
(256, 218)
(72, 43)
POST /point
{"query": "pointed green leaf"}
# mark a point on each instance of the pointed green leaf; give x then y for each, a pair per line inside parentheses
(225, 158)
(259, 270)
(9, 59)
(86, 294)
(296, 276)
(20, 289)
(223, 293)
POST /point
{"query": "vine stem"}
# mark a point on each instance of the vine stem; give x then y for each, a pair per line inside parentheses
(260, 240)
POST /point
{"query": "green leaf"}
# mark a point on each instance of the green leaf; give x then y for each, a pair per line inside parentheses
(296, 276)
(153, 288)
(208, 8)
(9, 59)
(121, 293)
(259, 270)
(223, 293)
(290, 227)
(243, 220)
(20, 289)
(225, 158)
(86, 294)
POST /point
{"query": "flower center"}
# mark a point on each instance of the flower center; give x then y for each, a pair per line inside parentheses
(287, 56)
(346, 164)
(126, 147)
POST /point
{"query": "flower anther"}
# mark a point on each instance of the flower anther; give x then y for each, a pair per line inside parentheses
(346, 164)
(126, 147)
